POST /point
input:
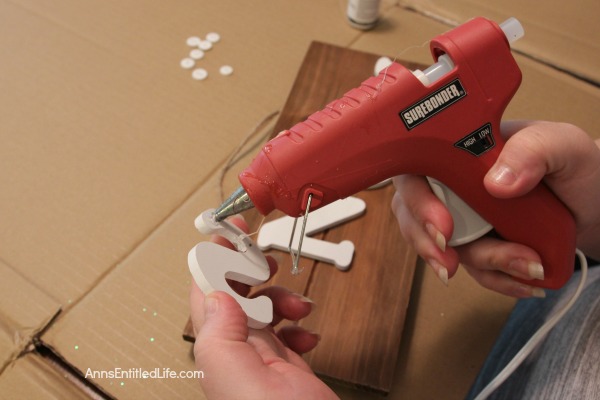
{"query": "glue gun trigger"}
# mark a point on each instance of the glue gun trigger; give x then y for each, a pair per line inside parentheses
(468, 224)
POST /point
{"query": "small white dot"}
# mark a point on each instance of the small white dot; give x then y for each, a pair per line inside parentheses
(193, 41)
(187, 63)
(226, 70)
(213, 37)
(205, 45)
(196, 54)
(199, 74)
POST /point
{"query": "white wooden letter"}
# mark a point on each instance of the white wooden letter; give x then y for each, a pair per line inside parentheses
(210, 264)
(276, 234)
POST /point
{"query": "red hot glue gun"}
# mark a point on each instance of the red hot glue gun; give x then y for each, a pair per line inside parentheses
(443, 123)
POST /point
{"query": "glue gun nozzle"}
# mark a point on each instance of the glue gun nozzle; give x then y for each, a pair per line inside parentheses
(236, 203)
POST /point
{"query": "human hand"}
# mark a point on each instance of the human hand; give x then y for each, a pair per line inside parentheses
(243, 363)
(568, 161)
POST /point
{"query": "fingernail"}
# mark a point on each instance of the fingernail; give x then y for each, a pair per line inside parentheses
(503, 175)
(526, 269)
(530, 291)
(211, 305)
(436, 235)
(305, 299)
(318, 336)
(536, 270)
(440, 271)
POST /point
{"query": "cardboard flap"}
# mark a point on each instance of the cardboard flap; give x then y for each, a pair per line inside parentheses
(24, 311)
(30, 377)
(133, 319)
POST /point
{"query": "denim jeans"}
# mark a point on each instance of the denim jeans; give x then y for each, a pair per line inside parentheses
(566, 365)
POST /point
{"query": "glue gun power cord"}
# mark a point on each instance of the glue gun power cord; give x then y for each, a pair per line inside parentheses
(537, 338)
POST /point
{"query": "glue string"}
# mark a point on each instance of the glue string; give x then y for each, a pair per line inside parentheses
(236, 155)
(410, 48)
(398, 55)
(262, 221)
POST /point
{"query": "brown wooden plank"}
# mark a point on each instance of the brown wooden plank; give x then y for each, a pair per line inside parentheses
(360, 313)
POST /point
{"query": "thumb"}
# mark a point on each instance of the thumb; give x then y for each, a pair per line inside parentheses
(521, 163)
(221, 351)
(535, 150)
(220, 317)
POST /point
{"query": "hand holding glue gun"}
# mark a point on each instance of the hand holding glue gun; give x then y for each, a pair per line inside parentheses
(562, 155)
(443, 123)
(249, 363)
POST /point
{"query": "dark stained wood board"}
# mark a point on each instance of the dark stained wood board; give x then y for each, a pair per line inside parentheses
(360, 313)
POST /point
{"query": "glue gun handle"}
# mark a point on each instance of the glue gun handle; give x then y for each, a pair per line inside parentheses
(538, 219)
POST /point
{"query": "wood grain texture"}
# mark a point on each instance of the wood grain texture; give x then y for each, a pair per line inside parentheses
(360, 313)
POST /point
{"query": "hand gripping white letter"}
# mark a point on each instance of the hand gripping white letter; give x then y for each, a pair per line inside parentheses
(210, 264)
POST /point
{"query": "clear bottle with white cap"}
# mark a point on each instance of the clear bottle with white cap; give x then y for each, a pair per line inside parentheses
(363, 14)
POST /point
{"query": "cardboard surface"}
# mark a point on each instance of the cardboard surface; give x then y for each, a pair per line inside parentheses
(110, 149)
(104, 135)
(30, 377)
